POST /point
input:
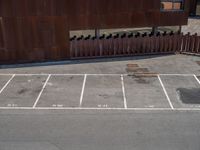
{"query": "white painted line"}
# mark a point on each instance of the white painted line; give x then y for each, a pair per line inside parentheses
(6, 74)
(197, 79)
(35, 104)
(25, 74)
(7, 83)
(100, 109)
(104, 74)
(42, 74)
(123, 90)
(83, 89)
(170, 103)
(83, 108)
(67, 74)
(81, 74)
(175, 74)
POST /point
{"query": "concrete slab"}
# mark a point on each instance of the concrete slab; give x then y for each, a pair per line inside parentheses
(103, 91)
(144, 92)
(181, 90)
(22, 91)
(99, 130)
(3, 80)
(62, 91)
(180, 64)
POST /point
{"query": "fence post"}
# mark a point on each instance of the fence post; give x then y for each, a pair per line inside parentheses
(78, 50)
(157, 43)
(105, 46)
(161, 41)
(174, 42)
(97, 46)
(166, 43)
(184, 43)
(195, 43)
(133, 45)
(151, 44)
(188, 42)
(180, 42)
(71, 48)
(145, 44)
(129, 45)
(85, 47)
(118, 42)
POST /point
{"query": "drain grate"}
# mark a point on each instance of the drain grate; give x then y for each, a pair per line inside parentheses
(189, 96)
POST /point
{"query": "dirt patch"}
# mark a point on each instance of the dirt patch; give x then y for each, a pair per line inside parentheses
(105, 96)
(22, 91)
(198, 62)
(132, 66)
(137, 70)
(142, 81)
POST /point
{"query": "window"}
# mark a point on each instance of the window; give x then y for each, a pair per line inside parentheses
(172, 5)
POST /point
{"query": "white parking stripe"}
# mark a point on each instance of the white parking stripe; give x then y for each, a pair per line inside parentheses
(7, 83)
(175, 74)
(104, 74)
(35, 104)
(123, 90)
(197, 79)
(83, 89)
(100, 109)
(170, 103)
(82, 74)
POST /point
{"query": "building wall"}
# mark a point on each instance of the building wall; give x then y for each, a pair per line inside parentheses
(38, 30)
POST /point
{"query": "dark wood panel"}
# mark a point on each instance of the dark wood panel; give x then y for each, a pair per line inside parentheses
(1, 34)
(193, 5)
(38, 30)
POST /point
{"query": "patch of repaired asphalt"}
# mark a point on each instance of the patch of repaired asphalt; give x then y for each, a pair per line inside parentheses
(189, 96)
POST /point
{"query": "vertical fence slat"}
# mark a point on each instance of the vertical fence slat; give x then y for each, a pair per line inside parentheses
(195, 43)
(198, 44)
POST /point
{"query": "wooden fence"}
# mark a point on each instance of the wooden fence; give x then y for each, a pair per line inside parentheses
(190, 44)
(133, 45)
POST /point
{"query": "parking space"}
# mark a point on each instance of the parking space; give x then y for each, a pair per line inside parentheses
(62, 91)
(22, 91)
(183, 91)
(144, 92)
(103, 92)
(100, 91)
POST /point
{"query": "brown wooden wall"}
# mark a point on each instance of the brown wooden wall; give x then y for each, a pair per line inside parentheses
(38, 30)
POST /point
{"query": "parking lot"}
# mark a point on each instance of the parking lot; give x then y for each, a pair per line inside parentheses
(135, 103)
(137, 91)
